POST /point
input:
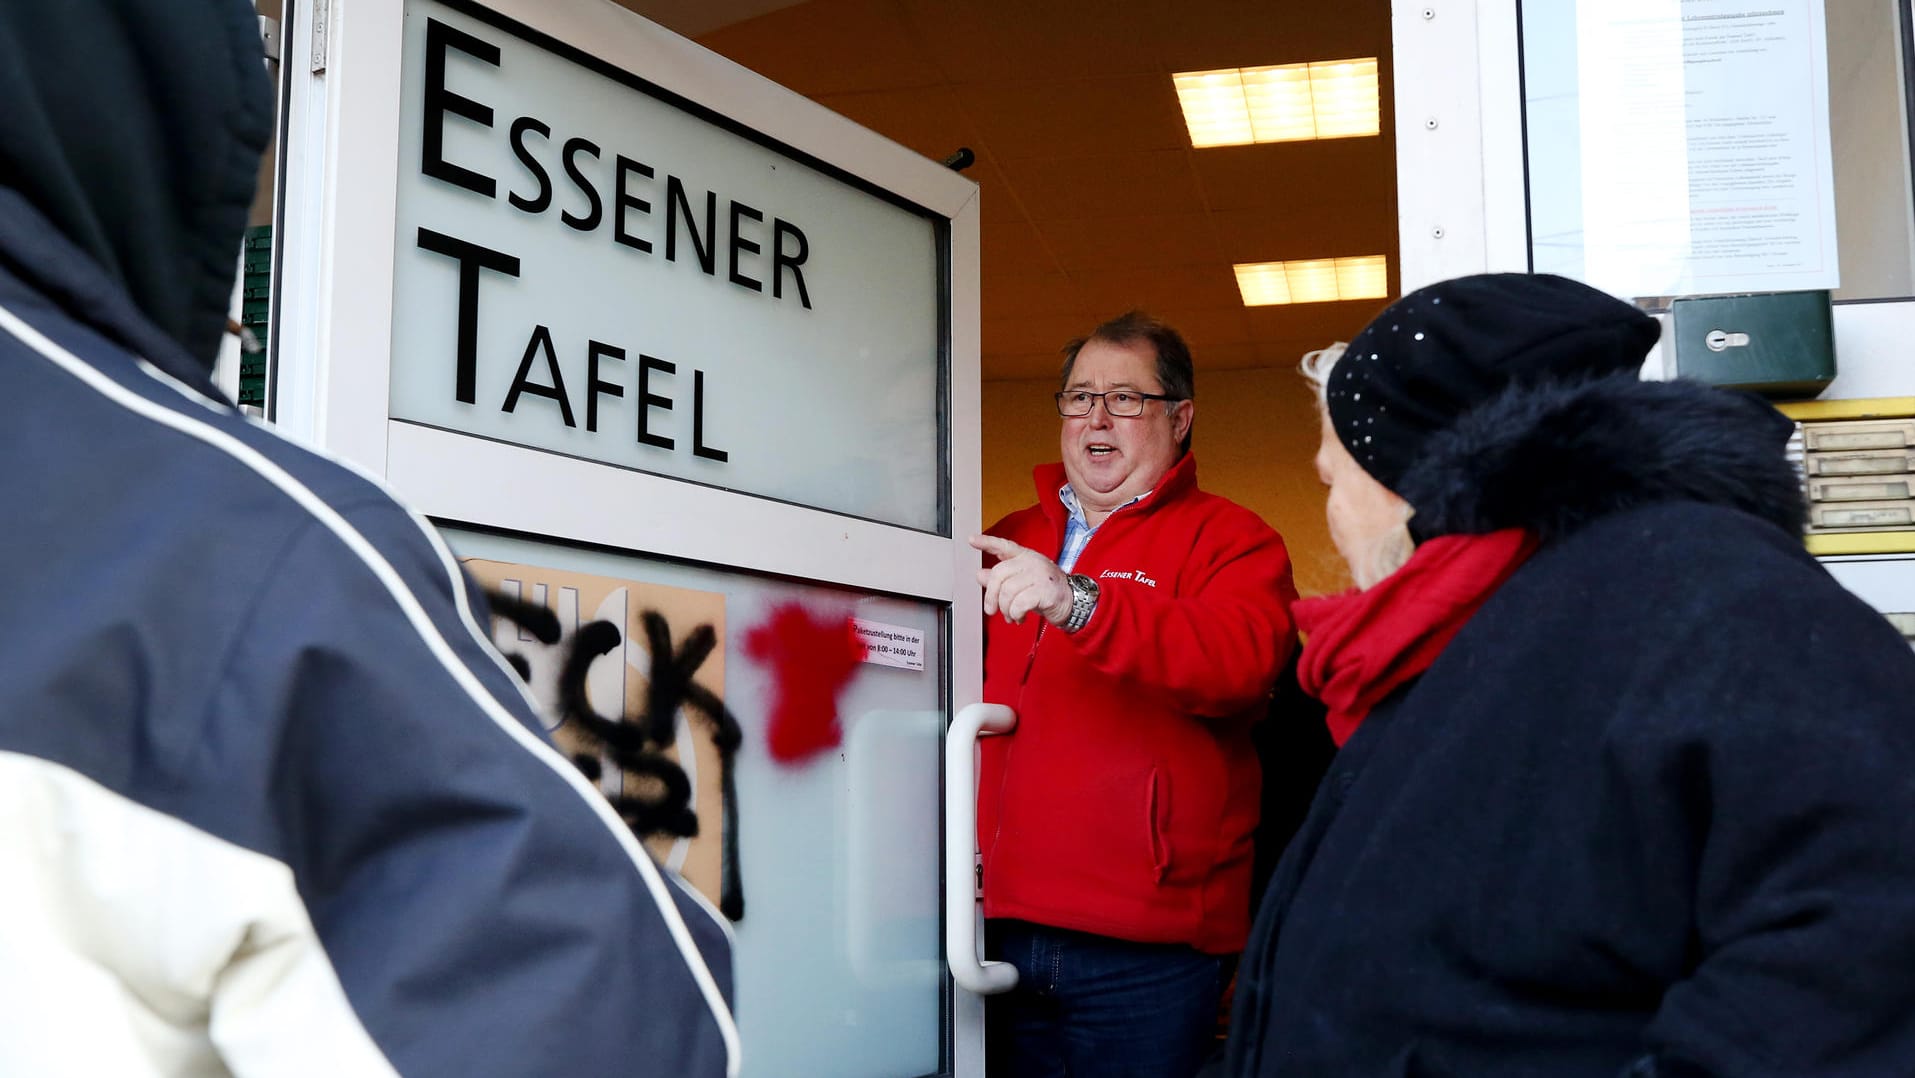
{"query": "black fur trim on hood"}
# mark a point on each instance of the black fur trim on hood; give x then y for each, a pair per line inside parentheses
(1554, 457)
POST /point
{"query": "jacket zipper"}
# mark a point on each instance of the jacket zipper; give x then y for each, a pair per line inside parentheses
(1030, 660)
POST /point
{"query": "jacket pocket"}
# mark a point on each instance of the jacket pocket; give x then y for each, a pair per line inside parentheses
(1157, 820)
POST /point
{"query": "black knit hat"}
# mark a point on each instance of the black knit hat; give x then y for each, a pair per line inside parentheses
(1446, 348)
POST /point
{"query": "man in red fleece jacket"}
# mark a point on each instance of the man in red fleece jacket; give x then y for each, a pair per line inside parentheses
(1136, 624)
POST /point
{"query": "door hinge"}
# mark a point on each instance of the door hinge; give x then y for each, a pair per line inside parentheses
(269, 37)
(321, 18)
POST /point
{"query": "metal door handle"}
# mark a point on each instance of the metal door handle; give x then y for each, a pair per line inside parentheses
(960, 849)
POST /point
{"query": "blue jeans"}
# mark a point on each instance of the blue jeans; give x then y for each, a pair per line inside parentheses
(1094, 1007)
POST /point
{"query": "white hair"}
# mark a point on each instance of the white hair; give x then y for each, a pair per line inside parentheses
(1318, 364)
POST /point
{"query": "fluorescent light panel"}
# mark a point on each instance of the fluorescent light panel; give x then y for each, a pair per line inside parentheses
(1313, 280)
(1288, 102)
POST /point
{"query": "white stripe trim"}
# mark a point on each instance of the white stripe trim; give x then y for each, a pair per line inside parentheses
(183, 389)
(422, 624)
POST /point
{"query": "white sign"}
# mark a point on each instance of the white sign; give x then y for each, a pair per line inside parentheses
(891, 645)
(1700, 142)
(588, 266)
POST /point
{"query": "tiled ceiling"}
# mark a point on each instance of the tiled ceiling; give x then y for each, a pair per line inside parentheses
(1093, 201)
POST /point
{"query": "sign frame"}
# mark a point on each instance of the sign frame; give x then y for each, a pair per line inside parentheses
(335, 305)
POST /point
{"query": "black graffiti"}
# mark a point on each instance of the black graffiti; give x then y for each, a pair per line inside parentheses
(533, 618)
(656, 797)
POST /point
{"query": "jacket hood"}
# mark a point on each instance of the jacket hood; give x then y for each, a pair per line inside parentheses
(135, 128)
(1554, 457)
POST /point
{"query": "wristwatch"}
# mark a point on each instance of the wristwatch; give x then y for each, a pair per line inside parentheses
(1083, 601)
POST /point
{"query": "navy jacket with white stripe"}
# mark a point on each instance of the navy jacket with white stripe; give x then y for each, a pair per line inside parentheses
(269, 803)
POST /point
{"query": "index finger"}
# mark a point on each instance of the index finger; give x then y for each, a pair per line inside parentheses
(996, 547)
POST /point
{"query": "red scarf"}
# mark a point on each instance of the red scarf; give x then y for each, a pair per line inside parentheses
(1361, 645)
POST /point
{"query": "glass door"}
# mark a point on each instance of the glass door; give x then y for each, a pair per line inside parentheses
(690, 362)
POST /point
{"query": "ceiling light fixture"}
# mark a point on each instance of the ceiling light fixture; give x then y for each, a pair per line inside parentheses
(1240, 105)
(1314, 280)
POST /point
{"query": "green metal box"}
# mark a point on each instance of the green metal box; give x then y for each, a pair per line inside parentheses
(1780, 344)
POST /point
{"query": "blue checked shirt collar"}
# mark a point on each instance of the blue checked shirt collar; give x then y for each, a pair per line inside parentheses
(1077, 530)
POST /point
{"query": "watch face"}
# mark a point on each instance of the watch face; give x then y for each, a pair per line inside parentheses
(1083, 600)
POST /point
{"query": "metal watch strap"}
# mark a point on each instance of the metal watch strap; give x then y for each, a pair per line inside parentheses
(1083, 602)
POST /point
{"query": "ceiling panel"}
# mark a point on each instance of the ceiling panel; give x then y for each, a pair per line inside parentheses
(1092, 200)
(1035, 295)
(1135, 241)
(983, 41)
(926, 119)
(1221, 357)
(1105, 185)
(831, 47)
(1128, 113)
(1038, 334)
(1117, 290)
(1301, 178)
(1205, 328)
(1333, 230)
(1206, 34)
(1011, 244)
(1025, 367)
(688, 17)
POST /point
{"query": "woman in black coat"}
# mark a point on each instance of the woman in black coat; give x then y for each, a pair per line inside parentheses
(1627, 784)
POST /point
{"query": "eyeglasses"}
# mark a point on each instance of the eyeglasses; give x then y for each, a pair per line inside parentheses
(1120, 403)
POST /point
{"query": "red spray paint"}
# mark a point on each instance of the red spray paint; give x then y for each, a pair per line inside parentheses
(811, 661)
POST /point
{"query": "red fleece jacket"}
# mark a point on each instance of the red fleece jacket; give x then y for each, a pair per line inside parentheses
(1124, 802)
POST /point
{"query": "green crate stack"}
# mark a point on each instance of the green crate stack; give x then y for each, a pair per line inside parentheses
(255, 302)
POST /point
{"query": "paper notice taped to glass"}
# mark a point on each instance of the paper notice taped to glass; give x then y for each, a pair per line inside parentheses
(891, 645)
(1681, 147)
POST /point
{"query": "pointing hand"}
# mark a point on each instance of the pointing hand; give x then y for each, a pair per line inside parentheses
(1021, 582)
